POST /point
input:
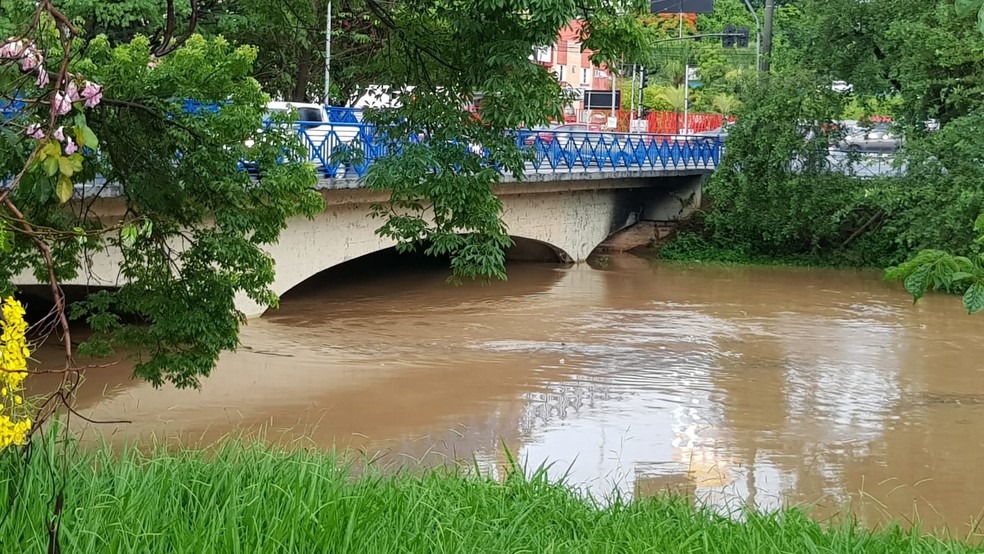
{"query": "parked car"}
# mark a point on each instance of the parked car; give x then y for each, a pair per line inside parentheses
(570, 134)
(547, 134)
(719, 133)
(877, 138)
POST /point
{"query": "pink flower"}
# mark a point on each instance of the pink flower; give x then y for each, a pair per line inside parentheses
(70, 147)
(59, 134)
(92, 94)
(34, 131)
(29, 62)
(153, 62)
(42, 78)
(31, 58)
(60, 104)
(12, 50)
(72, 92)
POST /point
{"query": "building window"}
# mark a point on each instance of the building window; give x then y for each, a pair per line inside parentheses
(560, 73)
(585, 76)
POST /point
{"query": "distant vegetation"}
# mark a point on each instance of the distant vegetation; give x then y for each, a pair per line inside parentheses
(912, 61)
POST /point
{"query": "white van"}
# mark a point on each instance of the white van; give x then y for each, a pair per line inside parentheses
(314, 120)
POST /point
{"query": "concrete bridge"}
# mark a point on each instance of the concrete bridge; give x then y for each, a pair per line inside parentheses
(579, 192)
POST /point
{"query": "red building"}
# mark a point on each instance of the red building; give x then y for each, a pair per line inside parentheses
(573, 67)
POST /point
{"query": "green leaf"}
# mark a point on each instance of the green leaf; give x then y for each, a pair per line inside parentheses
(50, 166)
(6, 238)
(958, 276)
(65, 166)
(64, 188)
(88, 138)
(128, 234)
(965, 8)
(979, 224)
(973, 299)
(52, 149)
(980, 21)
(918, 282)
(76, 160)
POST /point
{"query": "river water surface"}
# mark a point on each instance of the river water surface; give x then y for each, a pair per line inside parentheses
(762, 386)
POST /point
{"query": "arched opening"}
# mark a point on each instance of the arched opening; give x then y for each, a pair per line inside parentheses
(529, 250)
(38, 300)
(391, 273)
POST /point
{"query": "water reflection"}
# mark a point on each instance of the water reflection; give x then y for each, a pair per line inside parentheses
(763, 386)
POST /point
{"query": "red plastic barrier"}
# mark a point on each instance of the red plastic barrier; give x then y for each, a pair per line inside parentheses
(671, 123)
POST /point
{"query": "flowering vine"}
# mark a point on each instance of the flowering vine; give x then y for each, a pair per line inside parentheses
(59, 150)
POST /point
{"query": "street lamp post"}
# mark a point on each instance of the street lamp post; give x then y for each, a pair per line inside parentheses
(328, 58)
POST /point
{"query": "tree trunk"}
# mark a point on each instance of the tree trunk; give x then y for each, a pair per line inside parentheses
(303, 78)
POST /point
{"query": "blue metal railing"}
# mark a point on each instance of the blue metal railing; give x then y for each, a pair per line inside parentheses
(346, 150)
(600, 151)
(345, 147)
(344, 115)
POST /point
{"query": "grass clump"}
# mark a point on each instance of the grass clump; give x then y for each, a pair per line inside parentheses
(242, 498)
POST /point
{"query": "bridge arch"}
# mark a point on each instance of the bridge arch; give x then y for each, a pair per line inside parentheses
(355, 267)
(563, 220)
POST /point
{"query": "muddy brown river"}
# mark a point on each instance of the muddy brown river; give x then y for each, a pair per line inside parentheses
(765, 386)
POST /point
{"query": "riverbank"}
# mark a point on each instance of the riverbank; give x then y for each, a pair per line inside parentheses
(253, 499)
(690, 244)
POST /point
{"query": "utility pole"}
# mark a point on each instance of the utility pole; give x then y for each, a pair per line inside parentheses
(614, 82)
(767, 46)
(758, 37)
(686, 99)
(328, 58)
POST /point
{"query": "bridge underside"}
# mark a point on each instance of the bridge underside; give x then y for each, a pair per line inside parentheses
(566, 218)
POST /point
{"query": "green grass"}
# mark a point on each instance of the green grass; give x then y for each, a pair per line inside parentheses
(252, 499)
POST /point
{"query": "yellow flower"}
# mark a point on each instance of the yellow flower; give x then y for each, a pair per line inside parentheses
(14, 352)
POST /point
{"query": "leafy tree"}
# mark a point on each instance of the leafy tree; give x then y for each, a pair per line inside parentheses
(194, 228)
(774, 194)
(725, 104)
(441, 55)
(672, 72)
(951, 160)
(674, 97)
(653, 98)
(727, 12)
(911, 48)
(195, 225)
(943, 194)
(291, 62)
